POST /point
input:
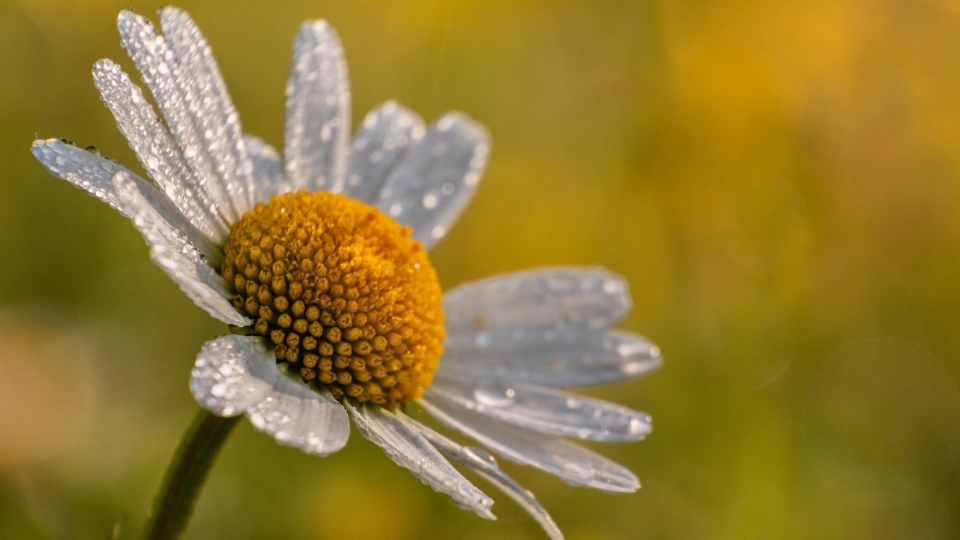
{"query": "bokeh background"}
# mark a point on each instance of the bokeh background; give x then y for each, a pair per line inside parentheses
(779, 181)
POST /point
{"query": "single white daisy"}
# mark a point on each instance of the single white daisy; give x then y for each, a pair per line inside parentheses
(319, 262)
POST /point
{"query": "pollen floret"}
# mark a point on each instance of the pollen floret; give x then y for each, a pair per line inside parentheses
(346, 298)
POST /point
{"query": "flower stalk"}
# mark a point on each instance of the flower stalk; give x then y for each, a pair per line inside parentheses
(186, 474)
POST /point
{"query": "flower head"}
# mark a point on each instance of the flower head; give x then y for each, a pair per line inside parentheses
(319, 265)
(346, 298)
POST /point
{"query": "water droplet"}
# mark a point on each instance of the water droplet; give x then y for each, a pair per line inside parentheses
(445, 123)
(633, 348)
(494, 398)
(577, 471)
(611, 286)
(639, 426)
(633, 368)
(481, 454)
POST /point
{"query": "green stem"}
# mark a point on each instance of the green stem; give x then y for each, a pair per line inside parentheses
(185, 475)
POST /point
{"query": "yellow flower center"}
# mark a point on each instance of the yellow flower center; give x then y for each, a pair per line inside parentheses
(347, 299)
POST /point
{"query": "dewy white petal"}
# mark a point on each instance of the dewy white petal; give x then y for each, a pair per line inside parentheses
(267, 168)
(560, 299)
(547, 358)
(547, 411)
(95, 174)
(173, 253)
(383, 139)
(404, 444)
(318, 110)
(157, 150)
(180, 101)
(302, 417)
(222, 135)
(573, 464)
(437, 177)
(481, 462)
(81, 168)
(233, 373)
(172, 216)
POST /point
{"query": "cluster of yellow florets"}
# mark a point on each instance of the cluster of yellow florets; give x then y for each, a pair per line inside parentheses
(342, 292)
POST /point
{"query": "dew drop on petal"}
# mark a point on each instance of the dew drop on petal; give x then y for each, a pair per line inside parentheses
(494, 398)
(577, 470)
(481, 454)
(639, 426)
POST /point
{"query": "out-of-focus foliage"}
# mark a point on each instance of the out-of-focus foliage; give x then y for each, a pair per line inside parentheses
(779, 181)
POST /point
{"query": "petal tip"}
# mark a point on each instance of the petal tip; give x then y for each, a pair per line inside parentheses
(38, 144)
(171, 11)
(315, 25)
(103, 64)
(125, 18)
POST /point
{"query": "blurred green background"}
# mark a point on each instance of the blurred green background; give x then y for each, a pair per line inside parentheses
(779, 181)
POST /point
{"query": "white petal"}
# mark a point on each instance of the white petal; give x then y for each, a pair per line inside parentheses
(481, 462)
(95, 173)
(559, 299)
(408, 448)
(172, 216)
(547, 411)
(547, 358)
(267, 168)
(302, 417)
(220, 122)
(318, 110)
(157, 150)
(574, 464)
(181, 101)
(437, 177)
(83, 169)
(232, 373)
(173, 253)
(382, 141)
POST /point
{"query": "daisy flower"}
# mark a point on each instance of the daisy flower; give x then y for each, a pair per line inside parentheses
(318, 262)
